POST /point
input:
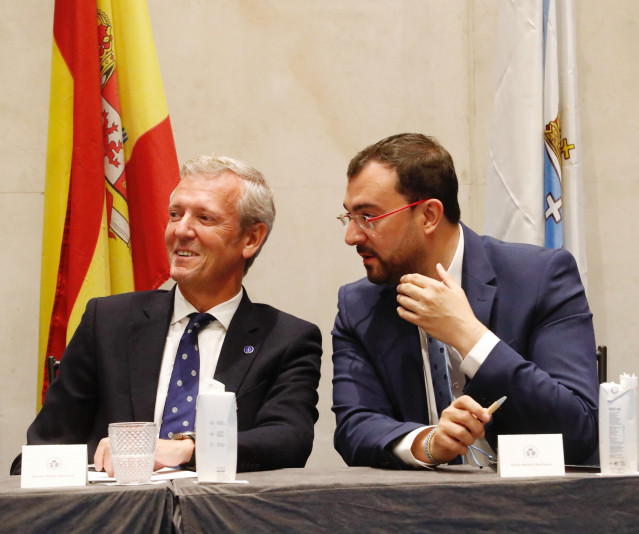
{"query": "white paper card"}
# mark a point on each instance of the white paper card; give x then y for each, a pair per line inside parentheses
(53, 466)
(530, 455)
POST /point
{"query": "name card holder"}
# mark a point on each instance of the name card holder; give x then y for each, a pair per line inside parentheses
(54, 466)
(530, 455)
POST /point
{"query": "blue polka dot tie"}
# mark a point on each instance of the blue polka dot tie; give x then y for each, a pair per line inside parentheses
(179, 408)
(439, 374)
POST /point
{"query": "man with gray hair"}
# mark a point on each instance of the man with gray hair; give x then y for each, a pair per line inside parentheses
(125, 359)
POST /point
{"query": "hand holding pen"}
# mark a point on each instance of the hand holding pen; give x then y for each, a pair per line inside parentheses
(459, 426)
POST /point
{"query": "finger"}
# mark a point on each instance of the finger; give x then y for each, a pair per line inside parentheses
(405, 288)
(446, 277)
(108, 463)
(428, 292)
(409, 303)
(415, 291)
(416, 279)
(461, 413)
(462, 426)
(467, 403)
(408, 315)
(98, 457)
(446, 445)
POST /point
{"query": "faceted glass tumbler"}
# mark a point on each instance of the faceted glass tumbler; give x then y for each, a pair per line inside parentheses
(133, 451)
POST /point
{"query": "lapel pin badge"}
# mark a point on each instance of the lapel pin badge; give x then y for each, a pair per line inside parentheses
(248, 349)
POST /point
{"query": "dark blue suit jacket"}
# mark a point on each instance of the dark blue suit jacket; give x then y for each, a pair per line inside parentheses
(531, 298)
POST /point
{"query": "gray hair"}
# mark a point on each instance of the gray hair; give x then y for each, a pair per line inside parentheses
(255, 204)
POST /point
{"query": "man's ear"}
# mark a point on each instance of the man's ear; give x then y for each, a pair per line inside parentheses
(433, 211)
(253, 239)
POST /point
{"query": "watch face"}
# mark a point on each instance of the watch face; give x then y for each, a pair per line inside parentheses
(184, 435)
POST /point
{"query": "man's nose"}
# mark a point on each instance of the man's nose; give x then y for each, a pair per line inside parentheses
(354, 234)
(184, 227)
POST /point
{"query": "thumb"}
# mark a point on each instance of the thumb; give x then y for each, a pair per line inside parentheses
(446, 278)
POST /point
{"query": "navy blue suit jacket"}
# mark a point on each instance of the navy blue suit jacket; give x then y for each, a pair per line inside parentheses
(531, 298)
(110, 370)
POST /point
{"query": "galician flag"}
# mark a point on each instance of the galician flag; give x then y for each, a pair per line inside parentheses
(111, 165)
(534, 190)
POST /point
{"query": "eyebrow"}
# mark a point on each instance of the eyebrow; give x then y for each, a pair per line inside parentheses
(362, 206)
(198, 208)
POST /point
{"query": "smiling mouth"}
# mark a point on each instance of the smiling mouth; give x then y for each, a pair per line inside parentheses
(185, 253)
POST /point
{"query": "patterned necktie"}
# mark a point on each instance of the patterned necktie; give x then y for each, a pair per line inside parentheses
(179, 407)
(439, 374)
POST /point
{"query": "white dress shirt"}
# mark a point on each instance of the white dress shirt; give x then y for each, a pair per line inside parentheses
(210, 340)
(458, 368)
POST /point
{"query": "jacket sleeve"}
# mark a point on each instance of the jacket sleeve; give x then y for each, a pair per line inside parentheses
(68, 411)
(549, 371)
(365, 417)
(276, 416)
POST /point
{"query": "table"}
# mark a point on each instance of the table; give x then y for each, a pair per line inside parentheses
(449, 499)
(94, 508)
(456, 499)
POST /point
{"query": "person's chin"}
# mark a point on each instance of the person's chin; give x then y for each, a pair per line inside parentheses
(381, 276)
(180, 274)
(375, 276)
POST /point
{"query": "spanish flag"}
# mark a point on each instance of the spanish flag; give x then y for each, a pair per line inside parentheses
(111, 165)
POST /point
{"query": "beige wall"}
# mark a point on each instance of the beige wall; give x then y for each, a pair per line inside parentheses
(296, 87)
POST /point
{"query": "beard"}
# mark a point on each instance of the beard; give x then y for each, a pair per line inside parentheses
(402, 255)
(385, 271)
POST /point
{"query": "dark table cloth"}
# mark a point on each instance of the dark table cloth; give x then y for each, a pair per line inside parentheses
(456, 499)
(448, 499)
(93, 508)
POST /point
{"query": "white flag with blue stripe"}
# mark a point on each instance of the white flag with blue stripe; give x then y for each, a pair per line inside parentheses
(534, 191)
(553, 197)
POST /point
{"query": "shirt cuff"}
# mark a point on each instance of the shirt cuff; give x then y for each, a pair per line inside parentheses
(402, 449)
(478, 354)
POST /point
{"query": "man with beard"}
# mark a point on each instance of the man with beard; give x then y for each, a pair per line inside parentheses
(448, 322)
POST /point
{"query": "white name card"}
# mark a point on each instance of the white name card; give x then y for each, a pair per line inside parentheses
(53, 466)
(530, 455)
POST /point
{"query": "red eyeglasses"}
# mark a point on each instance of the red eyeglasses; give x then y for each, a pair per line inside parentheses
(366, 223)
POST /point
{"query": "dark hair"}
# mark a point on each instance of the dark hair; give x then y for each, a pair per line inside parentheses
(424, 168)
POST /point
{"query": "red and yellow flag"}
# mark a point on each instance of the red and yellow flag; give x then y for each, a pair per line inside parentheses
(111, 165)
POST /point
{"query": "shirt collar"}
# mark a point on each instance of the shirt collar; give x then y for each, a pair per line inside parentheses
(455, 267)
(222, 312)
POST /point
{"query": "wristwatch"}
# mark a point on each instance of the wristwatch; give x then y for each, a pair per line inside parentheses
(184, 435)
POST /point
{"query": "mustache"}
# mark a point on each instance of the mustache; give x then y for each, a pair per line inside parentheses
(365, 250)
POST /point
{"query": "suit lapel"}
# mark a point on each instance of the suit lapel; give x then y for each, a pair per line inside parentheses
(478, 277)
(145, 349)
(242, 343)
(397, 341)
(399, 349)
